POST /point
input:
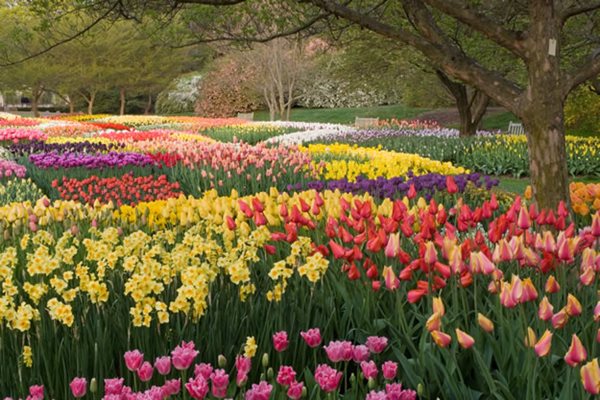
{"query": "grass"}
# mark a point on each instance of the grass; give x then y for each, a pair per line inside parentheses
(346, 115)
(518, 185)
(498, 121)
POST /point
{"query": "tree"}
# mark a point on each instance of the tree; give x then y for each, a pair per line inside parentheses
(535, 32)
(281, 66)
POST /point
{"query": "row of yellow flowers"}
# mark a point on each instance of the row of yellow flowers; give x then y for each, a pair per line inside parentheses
(350, 161)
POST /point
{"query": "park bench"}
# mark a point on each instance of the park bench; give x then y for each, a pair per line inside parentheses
(365, 122)
(515, 128)
(246, 116)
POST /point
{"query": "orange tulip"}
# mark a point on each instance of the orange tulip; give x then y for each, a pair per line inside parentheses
(576, 353)
(438, 306)
(441, 339)
(485, 323)
(542, 347)
(465, 340)
(434, 322)
(560, 319)
(552, 285)
(545, 311)
(573, 307)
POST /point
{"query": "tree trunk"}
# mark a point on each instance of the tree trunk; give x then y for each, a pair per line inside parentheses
(148, 108)
(471, 109)
(36, 94)
(547, 153)
(122, 100)
(91, 100)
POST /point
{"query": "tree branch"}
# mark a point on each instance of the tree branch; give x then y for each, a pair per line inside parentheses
(511, 40)
(232, 38)
(448, 60)
(586, 72)
(576, 9)
(66, 40)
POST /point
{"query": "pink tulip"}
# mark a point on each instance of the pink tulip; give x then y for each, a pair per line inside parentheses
(243, 365)
(197, 387)
(373, 395)
(262, 391)
(376, 344)
(183, 355)
(369, 369)
(295, 390)
(280, 341)
(394, 391)
(542, 347)
(163, 365)
(360, 353)
(286, 375)
(220, 382)
(328, 378)
(172, 387)
(145, 372)
(312, 337)
(339, 351)
(390, 369)
(78, 387)
(133, 360)
(576, 353)
(113, 386)
(203, 369)
(36, 392)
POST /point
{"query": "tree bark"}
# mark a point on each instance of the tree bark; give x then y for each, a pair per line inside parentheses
(471, 107)
(91, 100)
(36, 94)
(148, 108)
(122, 101)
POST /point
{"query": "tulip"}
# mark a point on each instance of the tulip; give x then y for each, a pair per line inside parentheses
(441, 339)
(576, 353)
(485, 323)
(438, 306)
(220, 382)
(434, 322)
(163, 365)
(295, 390)
(312, 337)
(465, 340)
(369, 369)
(560, 319)
(573, 307)
(78, 387)
(391, 281)
(389, 369)
(590, 377)
(530, 339)
(392, 249)
(545, 311)
(133, 360)
(376, 344)
(430, 256)
(197, 387)
(280, 341)
(286, 375)
(328, 378)
(542, 347)
(552, 285)
(145, 371)
(183, 355)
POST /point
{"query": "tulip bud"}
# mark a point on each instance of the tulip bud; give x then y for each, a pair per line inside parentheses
(371, 384)
(262, 376)
(265, 360)
(304, 392)
(222, 361)
(270, 373)
(93, 385)
(420, 389)
(352, 379)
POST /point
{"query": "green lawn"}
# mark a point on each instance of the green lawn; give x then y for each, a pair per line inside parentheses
(518, 185)
(346, 115)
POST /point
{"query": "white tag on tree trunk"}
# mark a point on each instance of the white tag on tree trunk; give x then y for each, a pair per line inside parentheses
(552, 47)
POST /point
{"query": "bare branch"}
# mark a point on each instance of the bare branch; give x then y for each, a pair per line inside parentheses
(511, 40)
(577, 9)
(586, 72)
